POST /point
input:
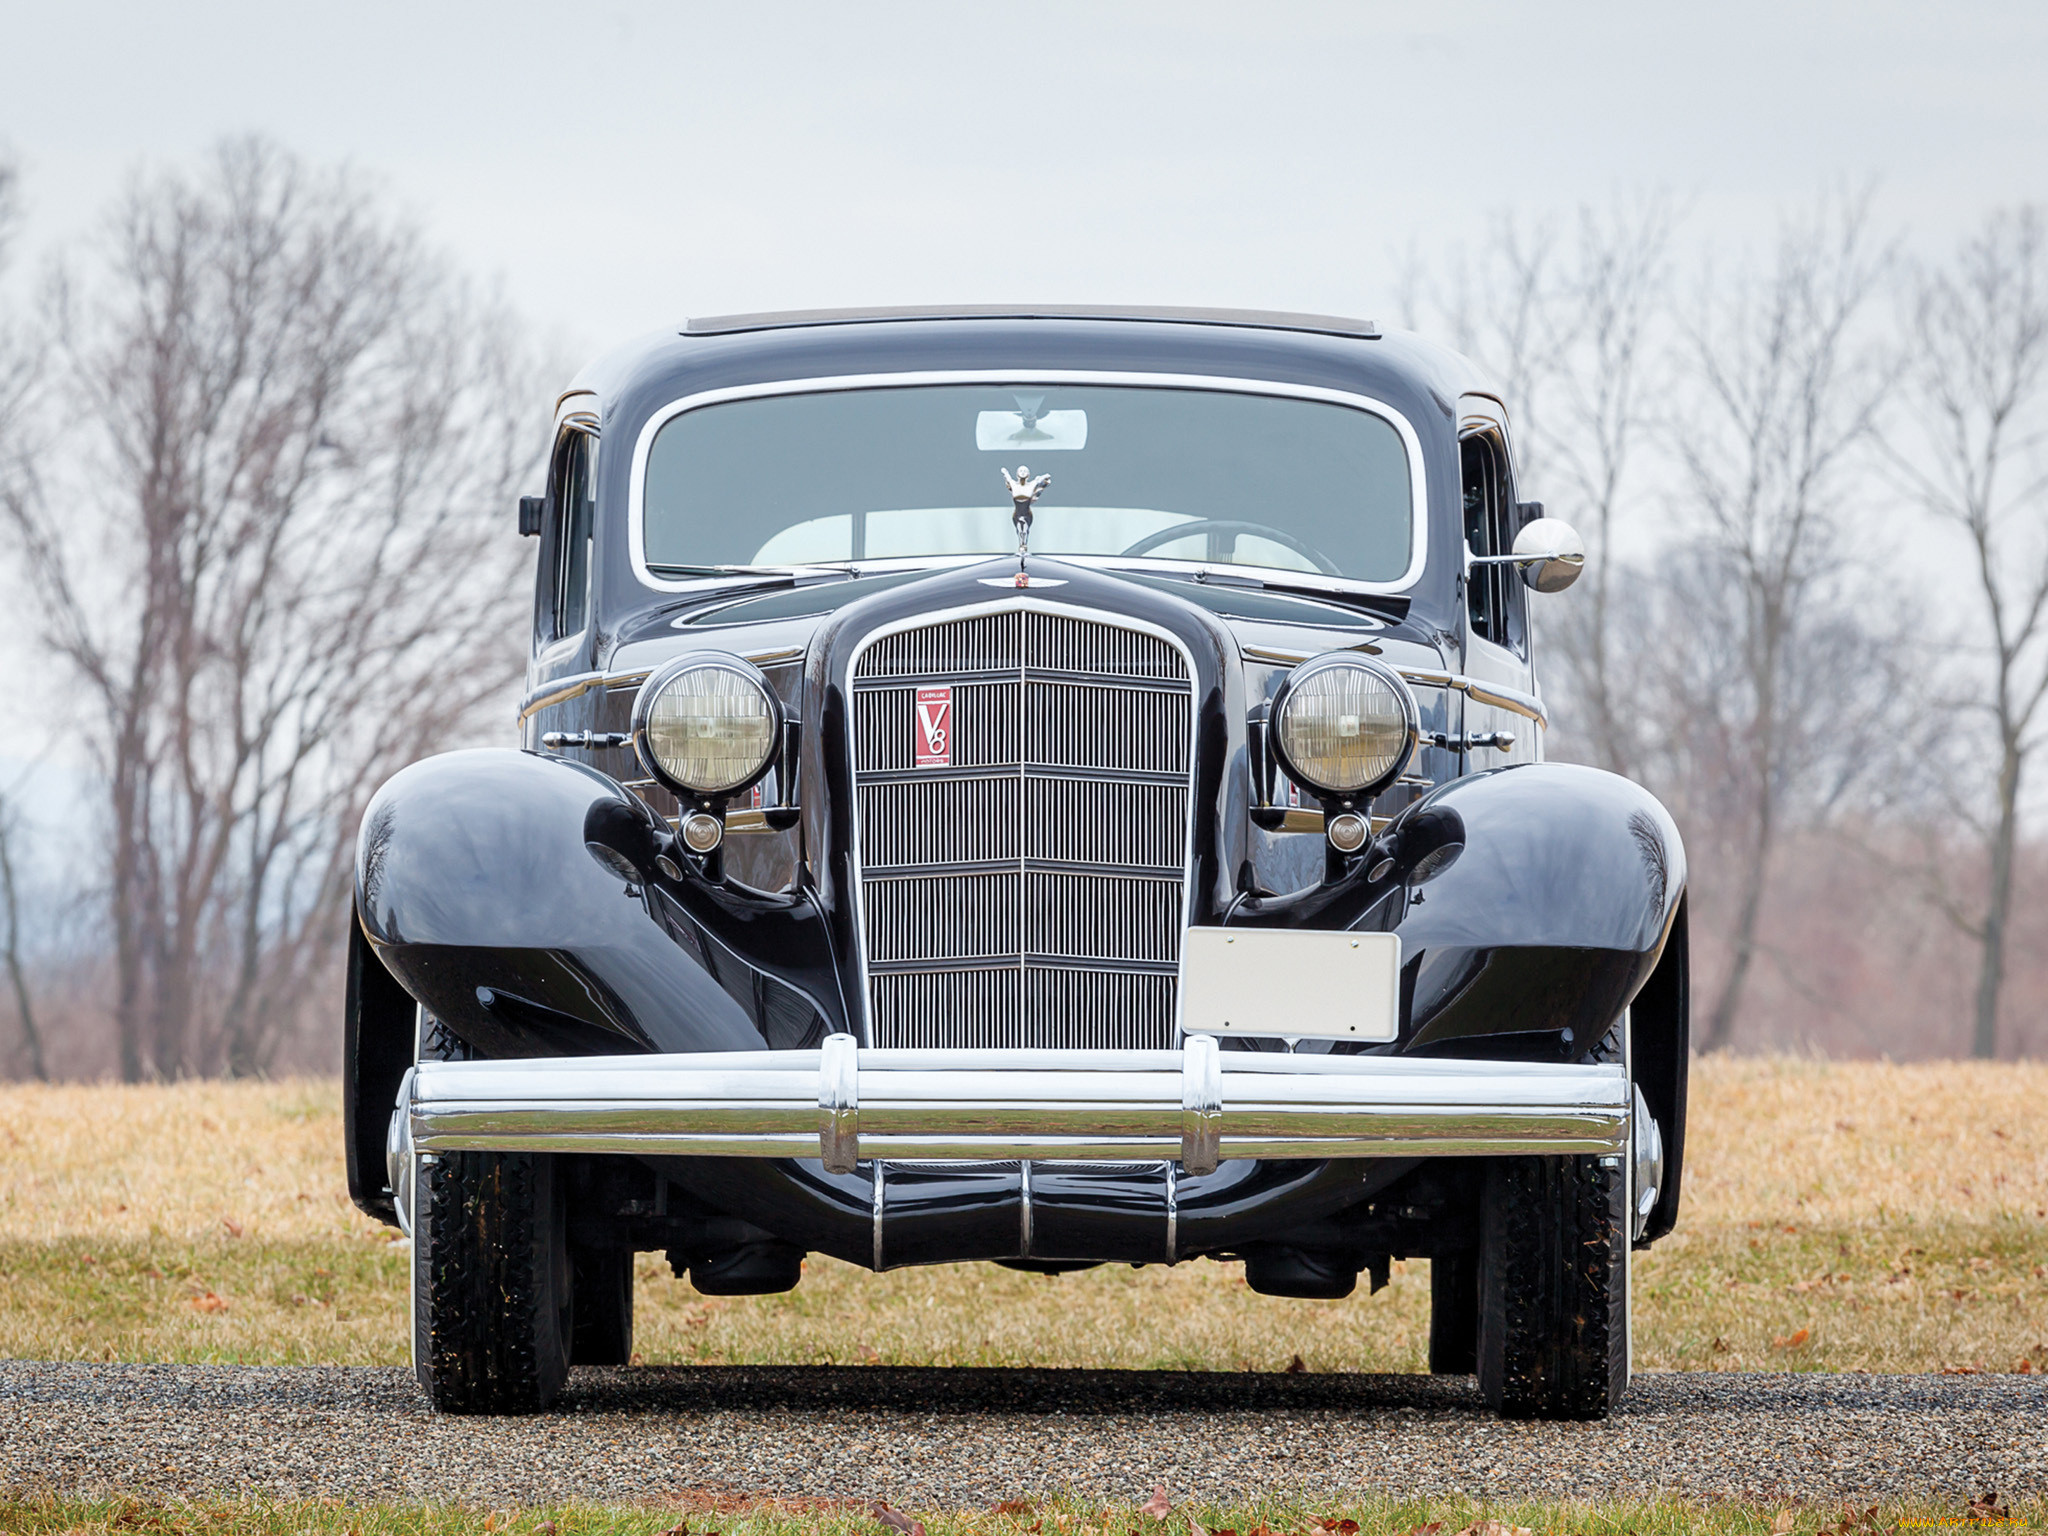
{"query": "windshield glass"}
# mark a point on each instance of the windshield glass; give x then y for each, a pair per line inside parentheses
(894, 473)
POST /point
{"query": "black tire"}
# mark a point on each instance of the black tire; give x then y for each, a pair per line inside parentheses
(602, 1280)
(1454, 1314)
(492, 1296)
(1553, 1287)
(493, 1314)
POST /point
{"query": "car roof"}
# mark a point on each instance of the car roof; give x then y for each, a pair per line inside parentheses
(1257, 319)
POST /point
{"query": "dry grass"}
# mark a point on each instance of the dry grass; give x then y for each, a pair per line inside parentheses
(1838, 1216)
(744, 1516)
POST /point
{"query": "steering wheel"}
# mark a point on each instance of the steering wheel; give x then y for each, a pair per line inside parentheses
(1178, 531)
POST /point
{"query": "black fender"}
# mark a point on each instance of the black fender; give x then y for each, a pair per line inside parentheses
(521, 899)
(1551, 917)
(376, 1048)
(1660, 1023)
(1533, 903)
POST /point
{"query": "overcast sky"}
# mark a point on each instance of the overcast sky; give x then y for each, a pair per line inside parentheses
(623, 166)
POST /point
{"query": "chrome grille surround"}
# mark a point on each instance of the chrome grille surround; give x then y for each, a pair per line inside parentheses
(1032, 893)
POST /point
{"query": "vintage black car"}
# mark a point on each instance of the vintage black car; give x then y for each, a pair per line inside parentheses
(1045, 786)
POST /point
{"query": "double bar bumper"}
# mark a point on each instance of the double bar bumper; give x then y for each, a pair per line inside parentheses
(843, 1104)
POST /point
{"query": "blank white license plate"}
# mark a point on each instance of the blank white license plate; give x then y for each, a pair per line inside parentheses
(1288, 983)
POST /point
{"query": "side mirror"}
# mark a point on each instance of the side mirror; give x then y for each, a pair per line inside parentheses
(1550, 553)
(531, 509)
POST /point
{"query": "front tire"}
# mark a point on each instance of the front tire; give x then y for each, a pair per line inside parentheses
(492, 1320)
(492, 1277)
(1553, 1287)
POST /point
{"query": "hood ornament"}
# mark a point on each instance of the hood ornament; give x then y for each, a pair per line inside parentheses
(1025, 488)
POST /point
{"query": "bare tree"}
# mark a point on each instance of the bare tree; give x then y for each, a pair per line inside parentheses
(1604, 394)
(273, 572)
(1973, 454)
(1786, 393)
(1568, 325)
(11, 947)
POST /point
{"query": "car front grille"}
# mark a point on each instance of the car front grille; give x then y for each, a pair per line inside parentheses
(1028, 889)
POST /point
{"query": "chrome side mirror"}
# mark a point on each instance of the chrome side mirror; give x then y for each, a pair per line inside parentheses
(1550, 553)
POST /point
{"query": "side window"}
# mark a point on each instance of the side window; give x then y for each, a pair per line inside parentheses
(1494, 594)
(570, 514)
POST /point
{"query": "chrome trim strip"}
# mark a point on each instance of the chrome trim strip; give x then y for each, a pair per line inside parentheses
(1024, 1208)
(1499, 695)
(560, 691)
(878, 1176)
(636, 509)
(1172, 1216)
(563, 689)
(1199, 1105)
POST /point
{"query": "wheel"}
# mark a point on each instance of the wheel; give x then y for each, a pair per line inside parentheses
(601, 1284)
(1454, 1314)
(492, 1312)
(1553, 1287)
(492, 1287)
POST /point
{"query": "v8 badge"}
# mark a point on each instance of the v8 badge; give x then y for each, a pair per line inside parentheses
(934, 743)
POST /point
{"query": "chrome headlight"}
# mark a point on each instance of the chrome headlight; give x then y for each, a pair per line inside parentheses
(707, 724)
(1344, 726)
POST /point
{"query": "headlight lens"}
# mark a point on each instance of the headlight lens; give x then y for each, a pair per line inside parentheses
(1344, 726)
(709, 726)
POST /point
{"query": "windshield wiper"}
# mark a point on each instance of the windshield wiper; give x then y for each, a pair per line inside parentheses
(1394, 605)
(788, 573)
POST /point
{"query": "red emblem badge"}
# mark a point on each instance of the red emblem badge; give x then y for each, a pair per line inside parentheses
(934, 728)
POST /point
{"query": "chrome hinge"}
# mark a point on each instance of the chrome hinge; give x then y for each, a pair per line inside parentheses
(556, 740)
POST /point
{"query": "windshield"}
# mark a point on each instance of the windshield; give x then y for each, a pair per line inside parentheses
(1202, 475)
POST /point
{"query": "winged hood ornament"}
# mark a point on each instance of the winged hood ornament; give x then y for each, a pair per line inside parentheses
(1025, 489)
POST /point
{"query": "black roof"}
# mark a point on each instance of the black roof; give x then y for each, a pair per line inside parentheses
(1258, 319)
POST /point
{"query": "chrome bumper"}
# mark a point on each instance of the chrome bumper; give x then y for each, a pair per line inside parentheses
(844, 1104)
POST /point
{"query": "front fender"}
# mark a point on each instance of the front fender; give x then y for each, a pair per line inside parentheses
(1559, 893)
(1550, 919)
(517, 897)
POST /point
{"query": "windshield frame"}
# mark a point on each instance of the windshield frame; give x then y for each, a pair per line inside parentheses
(1418, 552)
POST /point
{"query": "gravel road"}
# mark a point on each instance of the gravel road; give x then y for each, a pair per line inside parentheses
(949, 1438)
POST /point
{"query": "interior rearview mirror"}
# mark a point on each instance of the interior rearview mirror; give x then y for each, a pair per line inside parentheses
(1550, 553)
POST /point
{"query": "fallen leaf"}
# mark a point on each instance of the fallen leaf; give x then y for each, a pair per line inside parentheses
(1986, 1507)
(1495, 1528)
(546, 1528)
(681, 1528)
(1013, 1507)
(1426, 1530)
(2024, 1368)
(1158, 1506)
(1296, 1368)
(234, 1227)
(1783, 1523)
(206, 1301)
(1795, 1341)
(896, 1520)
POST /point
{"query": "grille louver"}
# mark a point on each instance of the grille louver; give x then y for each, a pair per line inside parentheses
(1032, 891)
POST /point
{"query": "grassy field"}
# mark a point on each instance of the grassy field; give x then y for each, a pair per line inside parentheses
(1838, 1216)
